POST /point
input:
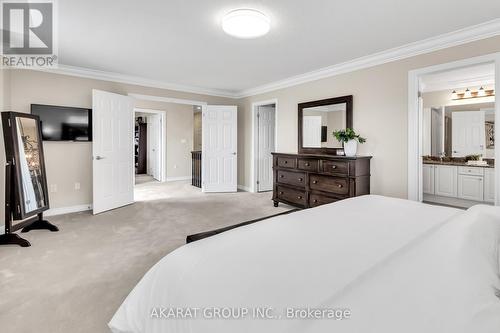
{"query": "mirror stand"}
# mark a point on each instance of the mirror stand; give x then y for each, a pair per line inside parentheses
(40, 224)
(10, 238)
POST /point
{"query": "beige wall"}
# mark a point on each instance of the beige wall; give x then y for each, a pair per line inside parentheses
(69, 162)
(380, 113)
(178, 129)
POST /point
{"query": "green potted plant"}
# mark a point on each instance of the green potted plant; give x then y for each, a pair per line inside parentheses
(349, 139)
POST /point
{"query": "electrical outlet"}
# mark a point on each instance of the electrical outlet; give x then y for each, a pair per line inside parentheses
(53, 188)
(77, 186)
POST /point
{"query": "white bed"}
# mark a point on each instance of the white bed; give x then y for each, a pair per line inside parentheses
(397, 265)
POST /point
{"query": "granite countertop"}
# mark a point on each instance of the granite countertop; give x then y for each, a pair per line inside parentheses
(457, 164)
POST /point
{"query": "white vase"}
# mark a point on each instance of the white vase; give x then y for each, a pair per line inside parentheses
(351, 148)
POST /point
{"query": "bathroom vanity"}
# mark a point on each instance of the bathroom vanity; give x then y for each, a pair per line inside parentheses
(458, 184)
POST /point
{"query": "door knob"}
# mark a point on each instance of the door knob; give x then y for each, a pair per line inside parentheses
(234, 153)
(99, 158)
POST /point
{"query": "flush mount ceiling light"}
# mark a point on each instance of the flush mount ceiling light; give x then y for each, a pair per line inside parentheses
(245, 23)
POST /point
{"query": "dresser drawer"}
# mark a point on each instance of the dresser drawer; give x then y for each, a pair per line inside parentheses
(308, 165)
(335, 167)
(292, 195)
(287, 162)
(291, 178)
(319, 199)
(335, 185)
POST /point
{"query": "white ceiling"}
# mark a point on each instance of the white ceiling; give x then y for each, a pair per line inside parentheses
(181, 41)
(467, 77)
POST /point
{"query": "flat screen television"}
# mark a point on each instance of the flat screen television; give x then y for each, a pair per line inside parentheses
(61, 123)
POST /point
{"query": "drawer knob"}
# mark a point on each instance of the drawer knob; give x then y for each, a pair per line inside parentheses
(286, 162)
(334, 167)
(339, 185)
(282, 176)
(299, 197)
(300, 179)
(315, 200)
(281, 193)
(315, 181)
(307, 164)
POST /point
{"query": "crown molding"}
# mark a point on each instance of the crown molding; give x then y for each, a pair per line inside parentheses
(455, 38)
(134, 80)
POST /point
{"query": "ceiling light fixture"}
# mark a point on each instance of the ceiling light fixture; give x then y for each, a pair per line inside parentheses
(246, 23)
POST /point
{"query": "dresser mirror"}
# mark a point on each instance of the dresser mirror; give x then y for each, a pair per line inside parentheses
(318, 120)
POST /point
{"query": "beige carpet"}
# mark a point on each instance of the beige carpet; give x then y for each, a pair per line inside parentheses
(74, 280)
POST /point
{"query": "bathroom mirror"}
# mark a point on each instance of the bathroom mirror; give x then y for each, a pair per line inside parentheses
(23, 141)
(459, 130)
(317, 122)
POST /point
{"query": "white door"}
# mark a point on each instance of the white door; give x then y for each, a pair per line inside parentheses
(428, 178)
(219, 148)
(468, 133)
(311, 131)
(112, 150)
(154, 122)
(265, 146)
(445, 180)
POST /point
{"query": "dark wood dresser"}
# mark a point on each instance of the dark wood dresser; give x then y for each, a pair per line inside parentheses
(305, 180)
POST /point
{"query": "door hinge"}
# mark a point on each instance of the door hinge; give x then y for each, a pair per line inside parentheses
(258, 115)
(8, 121)
(258, 182)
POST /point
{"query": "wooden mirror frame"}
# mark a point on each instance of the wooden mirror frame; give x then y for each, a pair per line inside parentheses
(323, 102)
(12, 153)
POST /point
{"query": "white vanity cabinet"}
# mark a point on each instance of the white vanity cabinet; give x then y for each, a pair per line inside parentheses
(461, 186)
(445, 180)
(489, 185)
(471, 183)
(428, 178)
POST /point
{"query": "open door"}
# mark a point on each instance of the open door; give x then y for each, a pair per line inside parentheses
(219, 148)
(265, 147)
(112, 150)
(154, 153)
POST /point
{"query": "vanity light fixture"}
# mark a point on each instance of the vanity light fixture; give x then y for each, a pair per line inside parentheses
(246, 23)
(472, 94)
(481, 92)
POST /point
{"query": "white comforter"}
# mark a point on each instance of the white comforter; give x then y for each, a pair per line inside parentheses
(372, 255)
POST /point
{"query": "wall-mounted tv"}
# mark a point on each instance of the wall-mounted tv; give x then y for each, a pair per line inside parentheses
(61, 123)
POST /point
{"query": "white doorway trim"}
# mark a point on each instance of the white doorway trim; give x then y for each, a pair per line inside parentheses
(415, 121)
(162, 140)
(254, 165)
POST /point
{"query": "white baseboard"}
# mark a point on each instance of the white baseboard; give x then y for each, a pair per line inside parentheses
(244, 188)
(175, 179)
(67, 210)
